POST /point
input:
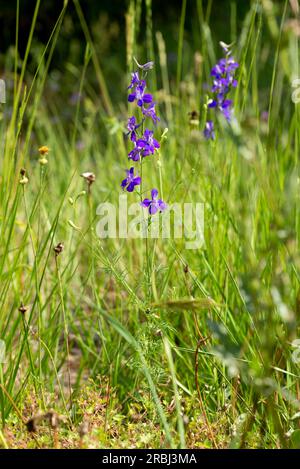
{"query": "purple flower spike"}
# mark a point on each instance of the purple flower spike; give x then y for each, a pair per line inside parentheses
(154, 204)
(209, 132)
(131, 180)
(224, 80)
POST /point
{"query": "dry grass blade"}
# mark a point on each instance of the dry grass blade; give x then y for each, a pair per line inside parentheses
(193, 304)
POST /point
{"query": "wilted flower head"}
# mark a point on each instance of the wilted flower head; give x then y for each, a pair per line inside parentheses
(89, 177)
(24, 178)
(154, 204)
(146, 66)
(58, 249)
(23, 308)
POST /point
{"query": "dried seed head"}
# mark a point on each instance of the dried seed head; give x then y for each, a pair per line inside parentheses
(43, 150)
(24, 178)
(58, 249)
(53, 418)
(32, 423)
(89, 177)
(23, 308)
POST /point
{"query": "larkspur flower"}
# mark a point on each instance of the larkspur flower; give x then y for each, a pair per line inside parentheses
(135, 80)
(132, 126)
(144, 146)
(136, 153)
(130, 181)
(209, 130)
(154, 204)
(150, 112)
(148, 143)
(139, 95)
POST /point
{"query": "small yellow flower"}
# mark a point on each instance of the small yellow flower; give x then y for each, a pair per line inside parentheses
(44, 150)
(43, 161)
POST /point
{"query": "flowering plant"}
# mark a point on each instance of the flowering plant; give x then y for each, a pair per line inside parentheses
(224, 80)
(144, 143)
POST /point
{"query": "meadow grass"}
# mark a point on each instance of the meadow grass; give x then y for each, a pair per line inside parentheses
(152, 344)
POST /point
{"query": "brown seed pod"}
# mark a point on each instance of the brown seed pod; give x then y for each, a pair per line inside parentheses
(23, 308)
(58, 249)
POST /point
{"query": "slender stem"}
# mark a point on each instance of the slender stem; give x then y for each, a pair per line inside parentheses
(37, 286)
(65, 328)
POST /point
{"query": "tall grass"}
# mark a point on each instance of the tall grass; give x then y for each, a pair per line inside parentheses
(210, 330)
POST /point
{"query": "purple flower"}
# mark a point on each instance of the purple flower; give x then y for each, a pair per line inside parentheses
(264, 116)
(209, 130)
(154, 204)
(147, 143)
(223, 73)
(131, 127)
(150, 112)
(143, 146)
(225, 108)
(135, 153)
(131, 180)
(139, 95)
(131, 124)
(135, 80)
